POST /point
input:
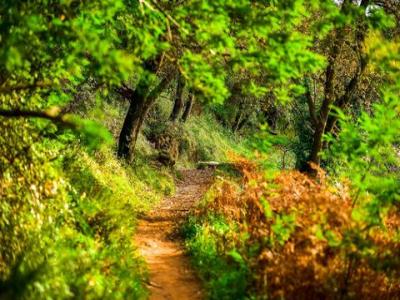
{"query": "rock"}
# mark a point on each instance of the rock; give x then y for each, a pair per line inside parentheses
(207, 164)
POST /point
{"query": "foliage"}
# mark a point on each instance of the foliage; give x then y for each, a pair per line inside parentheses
(68, 207)
(299, 239)
(67, 225)
(211, 244)
(256, 37)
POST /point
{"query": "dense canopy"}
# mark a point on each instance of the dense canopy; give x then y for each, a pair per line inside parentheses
(293, 105)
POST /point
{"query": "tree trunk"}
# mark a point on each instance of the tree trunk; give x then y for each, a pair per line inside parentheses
(322, 121)
(179, 101)
(131, 126)
(271, 117)
(319, 120)
(188, 108)
(139, 106)
(316, 146)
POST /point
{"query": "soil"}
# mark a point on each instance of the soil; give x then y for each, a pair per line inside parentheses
(170, 274)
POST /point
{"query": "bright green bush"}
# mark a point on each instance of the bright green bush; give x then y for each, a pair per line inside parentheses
(211, 241)
(221, 267)
(67, 224)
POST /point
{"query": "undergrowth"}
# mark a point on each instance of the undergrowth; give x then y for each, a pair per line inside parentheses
(219, 264)
(70, 220)
(291, 237)
(200, 138)
(211, 140)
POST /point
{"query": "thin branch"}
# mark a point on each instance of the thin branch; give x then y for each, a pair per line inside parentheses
(153, 94)
(168, 16)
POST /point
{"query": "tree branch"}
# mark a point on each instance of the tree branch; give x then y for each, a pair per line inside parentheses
(351, 87)
(125, 92)
(159, 88)
(53, 116)
(161, 10)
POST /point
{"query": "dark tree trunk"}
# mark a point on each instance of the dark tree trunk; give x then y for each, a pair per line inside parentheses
(131, 126)
(139, 106)
(179, 101)
(271, 117)
(316, 146)
(188, 108)
(319, 119)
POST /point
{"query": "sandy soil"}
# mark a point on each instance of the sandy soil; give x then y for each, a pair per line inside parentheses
(171, 276)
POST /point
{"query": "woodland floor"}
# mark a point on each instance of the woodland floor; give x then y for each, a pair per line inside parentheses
(170, 274)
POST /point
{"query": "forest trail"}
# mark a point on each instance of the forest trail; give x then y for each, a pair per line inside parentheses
(157, 237)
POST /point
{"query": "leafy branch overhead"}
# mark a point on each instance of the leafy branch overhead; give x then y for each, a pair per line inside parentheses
(290, 107)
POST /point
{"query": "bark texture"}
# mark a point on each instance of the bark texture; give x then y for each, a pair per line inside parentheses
(179, 100)
(188, 108)
(140, 103)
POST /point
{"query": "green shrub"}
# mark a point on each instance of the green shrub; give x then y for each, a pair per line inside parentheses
(221, 267)
(67, 218)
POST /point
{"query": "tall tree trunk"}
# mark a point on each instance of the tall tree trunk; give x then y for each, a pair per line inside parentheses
(316, 146)
(319, 120)
(179, 101)
(188, 108)
(139, 106)
(131, 126)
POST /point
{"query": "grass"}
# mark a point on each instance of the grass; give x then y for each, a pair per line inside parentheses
(209, 241)
(210, 140)
(221, 268)
(105, 198)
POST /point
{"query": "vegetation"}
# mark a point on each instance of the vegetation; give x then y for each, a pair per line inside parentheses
(102, 102)
(293, 237)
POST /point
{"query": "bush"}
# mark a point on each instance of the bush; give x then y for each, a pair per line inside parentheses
(300, 238)
(219, 264)
(67, 223)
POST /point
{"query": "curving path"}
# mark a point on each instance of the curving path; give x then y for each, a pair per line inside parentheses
(171, 276)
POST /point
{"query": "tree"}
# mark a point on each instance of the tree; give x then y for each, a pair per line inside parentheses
(205, 40)
(179, 99)
(347, 63)
(140, 101)
(319, 118)
(188, 107)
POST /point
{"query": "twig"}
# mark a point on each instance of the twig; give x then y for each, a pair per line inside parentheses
(168, 16)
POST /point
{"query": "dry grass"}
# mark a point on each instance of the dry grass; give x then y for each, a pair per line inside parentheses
(308, 244)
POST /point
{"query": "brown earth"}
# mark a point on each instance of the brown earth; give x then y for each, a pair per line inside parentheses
(170, 274)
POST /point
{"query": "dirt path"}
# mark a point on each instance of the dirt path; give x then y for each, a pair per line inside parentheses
(171, 276)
